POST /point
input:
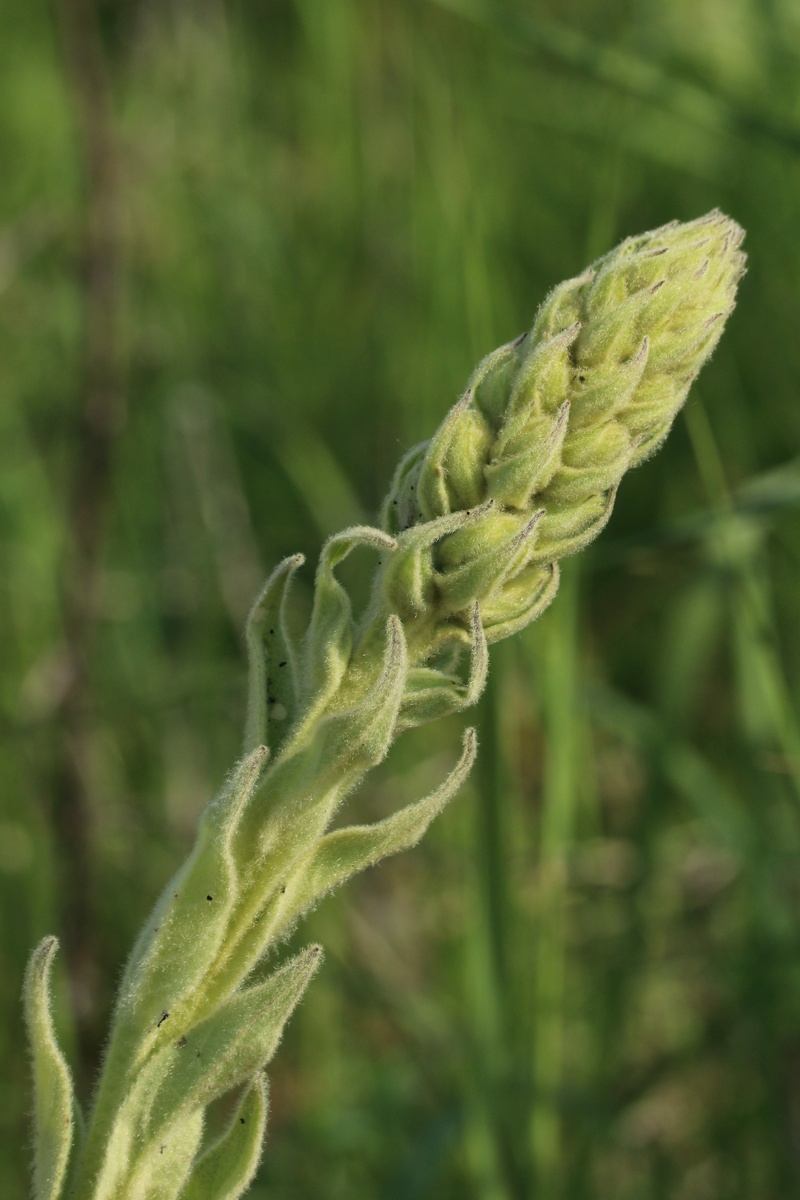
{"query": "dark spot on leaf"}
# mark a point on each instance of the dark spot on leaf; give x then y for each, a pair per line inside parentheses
(241, 1120)
(162, 1019)
(181, 1042)
(209, 897)
(282, 664)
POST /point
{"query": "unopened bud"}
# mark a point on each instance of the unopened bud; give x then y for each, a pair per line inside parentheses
(551, 422)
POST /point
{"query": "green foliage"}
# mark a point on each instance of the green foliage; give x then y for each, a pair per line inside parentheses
(226, 1169)
(223, 911)
(55, 1112)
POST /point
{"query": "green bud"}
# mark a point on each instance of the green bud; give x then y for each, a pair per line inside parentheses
(491, 383)
(432, 693)
(552, 421)
(567, 528)
(519, 601)
(529, 461)
(475, 560)
(407, 581)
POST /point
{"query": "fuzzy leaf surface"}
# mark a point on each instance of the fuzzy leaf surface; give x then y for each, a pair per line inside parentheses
(226, 1169)
(55, 1109)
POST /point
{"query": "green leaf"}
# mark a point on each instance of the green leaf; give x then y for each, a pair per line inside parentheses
(161, 1172)
(190, 921)
(345, 852)
(401, 506)
(55, 1108)
(230, 1047)
(359, 736)
(330, 633)
(272, 666)
(226, 1169)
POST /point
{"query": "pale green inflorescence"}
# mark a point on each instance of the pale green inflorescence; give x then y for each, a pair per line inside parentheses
(523, 471)
(533, 453)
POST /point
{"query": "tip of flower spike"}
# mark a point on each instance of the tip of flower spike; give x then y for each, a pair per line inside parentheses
(553, 419)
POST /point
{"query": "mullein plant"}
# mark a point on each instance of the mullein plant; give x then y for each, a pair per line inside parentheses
(523, 471)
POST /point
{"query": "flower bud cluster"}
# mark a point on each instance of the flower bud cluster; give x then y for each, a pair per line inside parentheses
(524, 469)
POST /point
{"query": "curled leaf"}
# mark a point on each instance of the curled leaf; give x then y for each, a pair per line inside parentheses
(55, 1108)
(330, 633)
(520, 601)
(432, 693)
(272, 666)
(345, 852)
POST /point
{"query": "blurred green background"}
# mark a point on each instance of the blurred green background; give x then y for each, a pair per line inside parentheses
(249, 253)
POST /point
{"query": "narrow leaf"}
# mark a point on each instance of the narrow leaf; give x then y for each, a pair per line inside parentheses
(272, 669)
(346, 852)
(400, 508)
(188, 924)
(232, 1045)
(55, 1109)
(330, 633)
(226, 1169)
(360, 736)
(162, 1170)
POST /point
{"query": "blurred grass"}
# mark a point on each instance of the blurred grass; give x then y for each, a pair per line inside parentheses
(585, 983)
